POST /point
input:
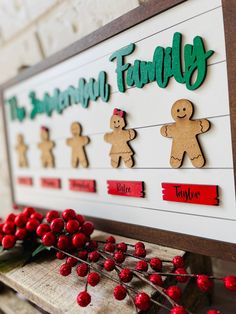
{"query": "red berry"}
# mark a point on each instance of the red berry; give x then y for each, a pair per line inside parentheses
(156, 264)
(63, 242)
(60, 255)
(82, 270)
(28, 211)
(15, 207)
(1, 237)
(8, 227)
(142, 301)
(121, 247)
(65, 269)
(83, 255)
(141, 266)
(10, 218)
(119, 257)
(37, 216)
(49, 239)
(42, 230)
(178, 310)
(51, 215)
(83, 298)
(79, 240)
(139, 244)
(32, 225)
(120, 293)
(174, 292)
(92, 245)
(109, 247)
(21, 220)
(156, 279)
(8, 241)
(93, 279)
(181, 271)
(178, 262)
(80, 219)
(94, 256)
(204, 283)
(71, 261)
(72, 226)
(126, 275)
(57, 225)
(230, 283)
(109, 264)
(110, 239)
(21, 233)
(213, 312)
(87, 228)
(1, 227)
(68, 214)
(140, 252)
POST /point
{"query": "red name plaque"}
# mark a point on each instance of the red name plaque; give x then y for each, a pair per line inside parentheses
(190, 193)
(51, 183)
(126, 188)
(25, 181)
(82, 185)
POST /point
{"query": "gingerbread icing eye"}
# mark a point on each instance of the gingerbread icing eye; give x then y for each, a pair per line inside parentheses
(184, 109)
(177, 110)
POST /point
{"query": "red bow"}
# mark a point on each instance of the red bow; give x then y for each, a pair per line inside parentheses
(118, 112)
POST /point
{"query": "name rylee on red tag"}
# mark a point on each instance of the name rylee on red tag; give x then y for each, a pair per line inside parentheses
(126, 188)
(190, 193)
(51, 183)
(25, 181)
(82, 185)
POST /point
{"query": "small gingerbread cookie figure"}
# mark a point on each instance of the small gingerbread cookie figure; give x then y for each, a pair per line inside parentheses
(77, 143)
(119, 139)
(184, 133)
(46, 146)
(21, 149)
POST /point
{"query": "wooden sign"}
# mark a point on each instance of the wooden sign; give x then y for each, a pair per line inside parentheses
(82, 185)
(149, 98)
(125, 188)
(190, 193)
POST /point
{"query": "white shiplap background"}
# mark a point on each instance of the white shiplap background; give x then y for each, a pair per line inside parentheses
(147, 110)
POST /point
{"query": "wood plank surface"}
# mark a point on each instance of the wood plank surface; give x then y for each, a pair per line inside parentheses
(41, 283)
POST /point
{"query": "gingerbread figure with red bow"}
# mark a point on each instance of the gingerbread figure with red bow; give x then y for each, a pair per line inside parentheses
(46, 146)
(119, 138)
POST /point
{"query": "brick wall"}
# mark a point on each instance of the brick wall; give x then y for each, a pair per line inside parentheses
(31, 30)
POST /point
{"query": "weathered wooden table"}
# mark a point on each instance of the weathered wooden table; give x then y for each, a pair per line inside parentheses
(40, 283)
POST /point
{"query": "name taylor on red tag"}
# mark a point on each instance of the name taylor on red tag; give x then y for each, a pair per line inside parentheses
(126, 188)
(190, 193)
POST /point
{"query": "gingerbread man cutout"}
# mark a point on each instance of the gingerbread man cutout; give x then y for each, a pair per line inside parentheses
(77, 143)
(46, 146)
(184, 133)
(119, 139)
(21, 149)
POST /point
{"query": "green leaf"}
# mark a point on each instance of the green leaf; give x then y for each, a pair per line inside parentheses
(1, 249)
(40, 249)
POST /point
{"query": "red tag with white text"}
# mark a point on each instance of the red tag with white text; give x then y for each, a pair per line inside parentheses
(51, 183)
(25, 181)
(82, 185)
(190, 193)
(126, 188)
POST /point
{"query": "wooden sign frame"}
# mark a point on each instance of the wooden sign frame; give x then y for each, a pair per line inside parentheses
(132, 18)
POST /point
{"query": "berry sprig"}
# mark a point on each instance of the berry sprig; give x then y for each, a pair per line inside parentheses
(69, 235)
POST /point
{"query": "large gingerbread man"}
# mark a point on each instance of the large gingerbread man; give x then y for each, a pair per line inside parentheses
(46, 146)
(184, 133)
(21, 149)
(119, 139)
(77, 143)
